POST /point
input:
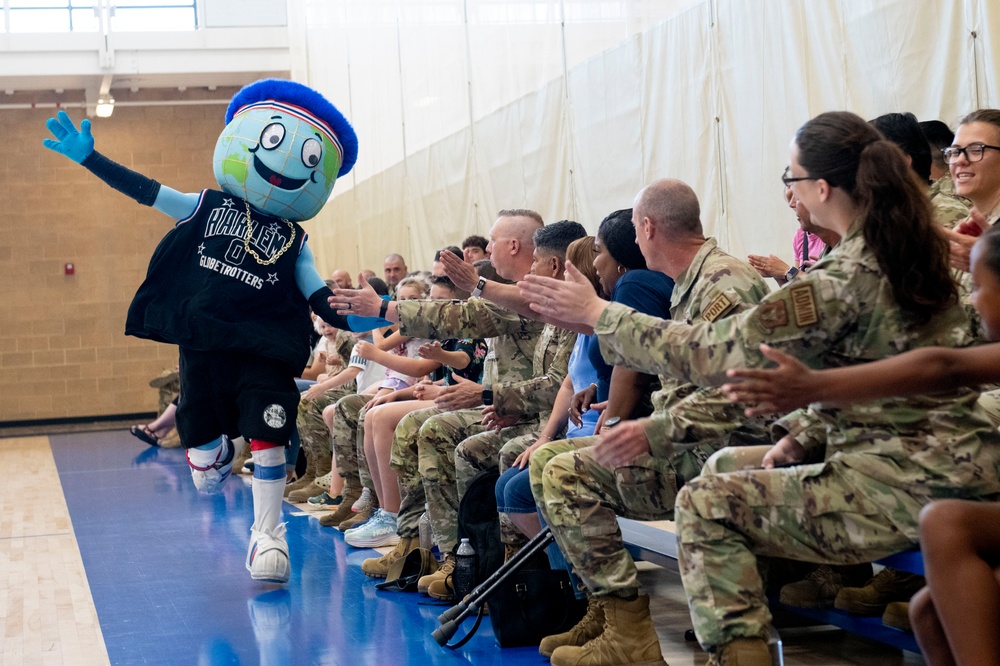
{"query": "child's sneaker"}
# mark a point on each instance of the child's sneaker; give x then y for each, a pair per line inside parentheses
(324, 501)
(210, 479)
(267, 555)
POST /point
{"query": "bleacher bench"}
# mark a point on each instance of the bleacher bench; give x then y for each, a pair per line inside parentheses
(656, 542)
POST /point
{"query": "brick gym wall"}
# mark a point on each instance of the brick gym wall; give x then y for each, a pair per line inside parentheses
(63, 352)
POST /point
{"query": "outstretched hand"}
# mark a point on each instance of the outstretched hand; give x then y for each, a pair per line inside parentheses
(571, 300)
(74, 144)
(462, 273)
(362, 301)
(775, 390)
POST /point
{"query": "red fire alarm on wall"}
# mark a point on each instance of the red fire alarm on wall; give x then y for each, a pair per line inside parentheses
(70, 269)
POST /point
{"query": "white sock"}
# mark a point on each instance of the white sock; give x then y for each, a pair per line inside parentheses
(267, 494)
(203, 457)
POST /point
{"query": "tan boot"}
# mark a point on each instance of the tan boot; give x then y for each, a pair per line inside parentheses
(742, 652)
(446, 569)
(306, 478)
(304, 493)
(897, 616)
(241, 456)
(817, 590)
(378, 567)
(628, 638)
(351, 494)
(587, 629)
(887, 586)
(358, 518)
(319, 466)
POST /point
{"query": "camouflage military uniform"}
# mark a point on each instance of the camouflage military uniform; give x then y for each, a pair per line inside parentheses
(510, 360)
(443, 435)
(949, 207)
(580, 498)
(964, 280)
(348, 440)
(882, 460)
(312, 429)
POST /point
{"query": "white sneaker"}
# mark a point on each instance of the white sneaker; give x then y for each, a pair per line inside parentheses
(210, 479)
(363, 501)
(379, 531)
(267, 555)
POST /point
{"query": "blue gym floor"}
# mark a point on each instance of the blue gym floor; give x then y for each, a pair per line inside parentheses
(165, 566)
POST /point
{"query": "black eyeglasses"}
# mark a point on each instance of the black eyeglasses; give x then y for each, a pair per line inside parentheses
(973, 152)
(787, 179)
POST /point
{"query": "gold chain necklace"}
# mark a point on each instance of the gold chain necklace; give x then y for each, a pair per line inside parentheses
(252, 253)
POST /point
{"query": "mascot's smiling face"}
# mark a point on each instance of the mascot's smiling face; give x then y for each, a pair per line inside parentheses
(279, 159)
(282, 149)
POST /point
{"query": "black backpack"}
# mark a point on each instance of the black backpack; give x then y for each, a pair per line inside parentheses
(479, 522)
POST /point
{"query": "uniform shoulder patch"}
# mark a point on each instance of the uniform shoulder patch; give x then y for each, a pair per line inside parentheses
(804, 305)
(772, 315)
(719, 306)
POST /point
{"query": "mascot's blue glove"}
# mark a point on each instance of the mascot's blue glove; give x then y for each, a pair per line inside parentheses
(74, 144)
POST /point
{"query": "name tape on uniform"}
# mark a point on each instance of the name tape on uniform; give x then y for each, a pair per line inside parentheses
(720, 305)
(804, 305)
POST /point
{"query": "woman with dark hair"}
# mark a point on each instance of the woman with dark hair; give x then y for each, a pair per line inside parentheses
(624, 278)
(845, 485)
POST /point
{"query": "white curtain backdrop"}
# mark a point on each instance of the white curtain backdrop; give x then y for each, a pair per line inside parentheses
(465, 107)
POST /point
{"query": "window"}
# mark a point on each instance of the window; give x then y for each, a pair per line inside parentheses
(83, 15)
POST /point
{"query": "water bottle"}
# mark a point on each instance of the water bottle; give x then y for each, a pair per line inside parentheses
(425, 531)
(464, 578)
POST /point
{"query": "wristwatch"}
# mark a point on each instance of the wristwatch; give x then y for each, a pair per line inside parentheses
(790, 273)
(478, 291)
(611, 423)
(487, 396)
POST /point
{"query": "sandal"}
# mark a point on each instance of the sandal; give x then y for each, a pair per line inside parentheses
(145, 434)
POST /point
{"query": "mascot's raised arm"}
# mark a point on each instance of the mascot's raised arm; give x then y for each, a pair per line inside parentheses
(232, 282)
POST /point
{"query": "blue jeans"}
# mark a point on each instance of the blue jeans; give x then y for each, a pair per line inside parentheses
(513, 491)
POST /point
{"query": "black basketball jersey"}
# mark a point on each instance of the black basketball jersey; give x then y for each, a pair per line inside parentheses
(206, 290)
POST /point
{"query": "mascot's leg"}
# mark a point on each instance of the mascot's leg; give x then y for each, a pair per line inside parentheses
(267, 555)
(211, 464)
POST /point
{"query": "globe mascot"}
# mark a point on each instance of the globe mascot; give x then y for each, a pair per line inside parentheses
(232, 283)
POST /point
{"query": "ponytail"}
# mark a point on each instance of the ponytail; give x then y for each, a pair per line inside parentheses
(899, 229)
(848, 153)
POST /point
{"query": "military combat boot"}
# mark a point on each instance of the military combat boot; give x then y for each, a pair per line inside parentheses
(242, 454)
(887, 586)
(350, 495)
(628, 638)
(897, 616)
(322, 466)
(817, 590)
(446, 569)
(742, 652)
(361, 517)
(587, 629)
(307, 478)
(378, 567)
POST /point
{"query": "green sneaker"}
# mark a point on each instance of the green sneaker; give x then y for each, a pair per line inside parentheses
(324, 500)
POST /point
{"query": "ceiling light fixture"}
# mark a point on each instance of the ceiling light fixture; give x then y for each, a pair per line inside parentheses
(105, 107)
